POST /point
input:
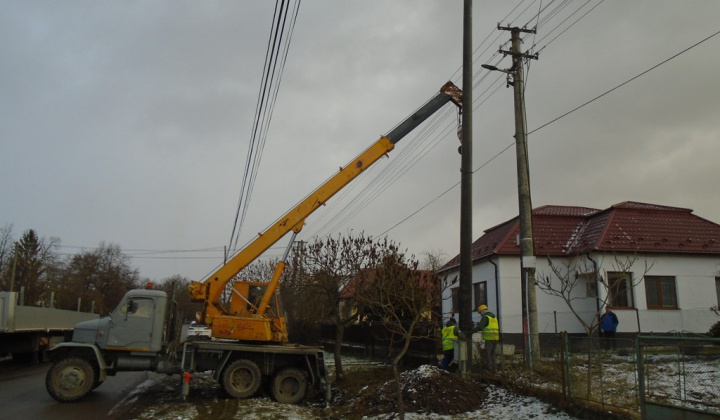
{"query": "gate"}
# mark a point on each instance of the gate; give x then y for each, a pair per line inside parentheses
(678, 377)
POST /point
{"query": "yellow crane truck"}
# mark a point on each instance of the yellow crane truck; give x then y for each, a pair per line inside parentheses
(249, 344)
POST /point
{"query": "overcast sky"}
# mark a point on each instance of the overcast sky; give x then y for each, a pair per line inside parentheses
(129, 122)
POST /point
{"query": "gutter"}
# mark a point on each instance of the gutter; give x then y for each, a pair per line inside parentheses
(597, 287)
(497, 294)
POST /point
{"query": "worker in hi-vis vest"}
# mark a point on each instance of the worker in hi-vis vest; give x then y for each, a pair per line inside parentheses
(490, 333)
(450, 335)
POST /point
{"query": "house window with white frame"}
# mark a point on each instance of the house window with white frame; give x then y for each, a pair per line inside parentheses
(480, 293)
(661, 292)
(621, 290)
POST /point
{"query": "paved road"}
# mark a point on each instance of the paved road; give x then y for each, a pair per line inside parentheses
(23, 396)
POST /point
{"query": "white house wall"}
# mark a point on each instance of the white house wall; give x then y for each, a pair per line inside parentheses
(480, 272)
(695, 290)
(552, 312)
(695, 286)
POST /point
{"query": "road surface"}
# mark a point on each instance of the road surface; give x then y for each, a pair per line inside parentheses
(23, 396)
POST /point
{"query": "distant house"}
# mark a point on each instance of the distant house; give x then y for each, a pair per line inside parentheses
(662, 265)
(425, 278)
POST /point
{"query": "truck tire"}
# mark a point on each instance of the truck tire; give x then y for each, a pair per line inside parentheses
(96, 380)
(241, 379)
(289, 386)
(70, 379)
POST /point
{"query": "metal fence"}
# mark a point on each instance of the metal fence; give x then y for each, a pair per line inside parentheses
(632, 321)
(373, 340)
(679, 374)
(602, 374)
(656, 377)
(651, 376)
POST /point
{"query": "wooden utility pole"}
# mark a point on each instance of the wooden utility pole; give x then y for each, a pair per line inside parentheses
(466, 240)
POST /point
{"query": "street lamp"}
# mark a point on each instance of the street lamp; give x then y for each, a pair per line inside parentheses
(493, 68)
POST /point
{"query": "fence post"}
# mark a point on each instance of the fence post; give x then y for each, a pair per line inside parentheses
(562, 366)
(640, 376)
(566, 344)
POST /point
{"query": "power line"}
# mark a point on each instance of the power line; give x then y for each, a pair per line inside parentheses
(275, 57)
(555, 120)
(624, 83)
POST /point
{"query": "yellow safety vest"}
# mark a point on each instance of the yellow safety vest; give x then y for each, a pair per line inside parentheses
(448, 338)
(491, 332)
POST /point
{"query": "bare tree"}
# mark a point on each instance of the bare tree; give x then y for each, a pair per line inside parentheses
(179, 285)
(433, 260)
(33, 258)
(6, 249)
(102, 276)
(574, 273)
(403, 299)
(305, 309)
(572, 276)
(328, 265)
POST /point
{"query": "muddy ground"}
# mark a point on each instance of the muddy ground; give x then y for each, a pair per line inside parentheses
(367, 391)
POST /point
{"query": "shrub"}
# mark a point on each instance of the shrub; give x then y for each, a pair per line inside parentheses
(715, 330)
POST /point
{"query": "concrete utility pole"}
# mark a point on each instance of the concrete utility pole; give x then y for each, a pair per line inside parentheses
(527, 247)
(466, 240)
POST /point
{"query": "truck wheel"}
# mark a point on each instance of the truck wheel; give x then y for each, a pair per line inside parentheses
(241, 379)
(289, 386)
(70, 379)
(96, 379)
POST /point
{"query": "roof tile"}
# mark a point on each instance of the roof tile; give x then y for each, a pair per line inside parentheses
(624, 227)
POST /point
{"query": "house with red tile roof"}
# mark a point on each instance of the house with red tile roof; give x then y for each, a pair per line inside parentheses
(426, 279)
(657, 266)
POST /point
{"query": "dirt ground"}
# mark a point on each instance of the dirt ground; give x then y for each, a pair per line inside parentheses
(368, 391)
(427, 389)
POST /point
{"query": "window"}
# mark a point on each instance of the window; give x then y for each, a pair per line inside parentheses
(621, 292)
(480, 293)
(660, 292)
(455, 301)
(137, 307)
(590, 280)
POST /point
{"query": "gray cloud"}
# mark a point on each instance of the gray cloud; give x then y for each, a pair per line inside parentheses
(129, 122)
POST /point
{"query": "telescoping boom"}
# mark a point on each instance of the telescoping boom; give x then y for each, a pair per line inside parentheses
(251, 319)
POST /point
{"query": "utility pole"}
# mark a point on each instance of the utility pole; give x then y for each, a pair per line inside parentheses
(527, 247)
(12, 275)
(466, 240)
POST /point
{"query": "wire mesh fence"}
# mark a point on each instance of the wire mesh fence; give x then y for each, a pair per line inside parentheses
(601, 372)
(681, 372)
(623, 374)
(632, 321)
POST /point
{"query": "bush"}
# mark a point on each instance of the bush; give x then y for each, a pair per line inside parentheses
(715, 330)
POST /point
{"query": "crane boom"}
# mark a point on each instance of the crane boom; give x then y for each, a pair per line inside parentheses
(247, 320)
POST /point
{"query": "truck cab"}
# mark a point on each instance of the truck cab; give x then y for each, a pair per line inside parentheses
(135, 325)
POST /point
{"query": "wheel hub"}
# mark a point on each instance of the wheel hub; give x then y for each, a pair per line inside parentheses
(71, 378)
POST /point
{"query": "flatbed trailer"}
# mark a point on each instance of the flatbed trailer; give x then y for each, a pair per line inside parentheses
(27, 331)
